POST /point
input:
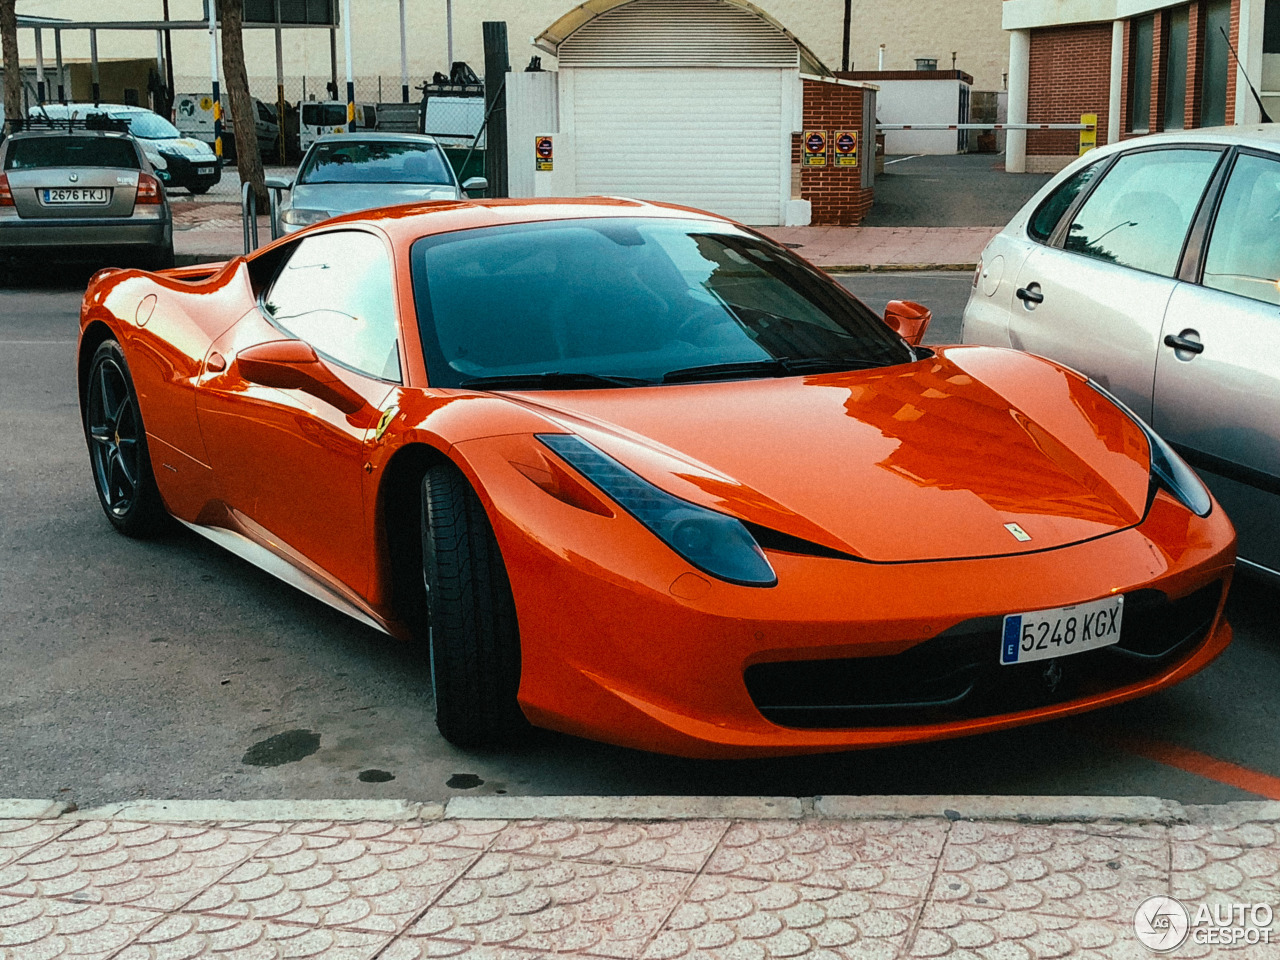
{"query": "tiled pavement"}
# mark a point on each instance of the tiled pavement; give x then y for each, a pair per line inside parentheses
(213, 231)
(111, 885)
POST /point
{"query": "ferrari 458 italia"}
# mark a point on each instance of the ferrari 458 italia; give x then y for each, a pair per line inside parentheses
(637, 473)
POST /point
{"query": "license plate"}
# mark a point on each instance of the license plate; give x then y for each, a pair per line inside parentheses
(1046, 634)
(77, 195)
(204, 171)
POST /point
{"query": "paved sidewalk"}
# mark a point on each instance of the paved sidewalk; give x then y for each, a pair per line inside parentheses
(514, 878)
(212, 231)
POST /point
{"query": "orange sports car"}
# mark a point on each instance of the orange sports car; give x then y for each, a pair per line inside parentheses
(637, 473)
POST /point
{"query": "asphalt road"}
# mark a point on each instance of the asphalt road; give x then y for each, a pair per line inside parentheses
(962, 190)
(164, 669)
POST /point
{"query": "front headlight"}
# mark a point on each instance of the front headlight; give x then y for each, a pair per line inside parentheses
(1168, 470)
(713, 542)
(303, 217)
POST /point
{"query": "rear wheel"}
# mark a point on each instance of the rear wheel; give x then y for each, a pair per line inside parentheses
(118, 446)
(474, 637)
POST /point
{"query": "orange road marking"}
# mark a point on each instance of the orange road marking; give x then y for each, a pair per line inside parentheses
(1203, 765)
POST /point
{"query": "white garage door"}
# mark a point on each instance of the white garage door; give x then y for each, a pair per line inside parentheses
(711, 138)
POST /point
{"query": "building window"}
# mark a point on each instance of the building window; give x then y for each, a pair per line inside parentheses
(1175, 70)
(1142, 30)
(1217, 23)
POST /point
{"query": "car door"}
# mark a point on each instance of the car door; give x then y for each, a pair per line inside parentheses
(290, 461)
(1094, 298)
(1217, 386)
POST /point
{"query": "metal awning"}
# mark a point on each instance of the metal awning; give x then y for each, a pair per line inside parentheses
(573, 21)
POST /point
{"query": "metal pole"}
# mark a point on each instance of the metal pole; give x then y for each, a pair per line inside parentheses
(159, 68)
(848, 25)
(404, 59)
(57, 53)
(280, 92)
(351, 87)
(448, 26)
(213, 74)
(168, 56)
(39, 66)
(93, 63)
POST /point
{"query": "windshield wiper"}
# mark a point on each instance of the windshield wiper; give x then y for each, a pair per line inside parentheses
(552, 381)
(774, 367)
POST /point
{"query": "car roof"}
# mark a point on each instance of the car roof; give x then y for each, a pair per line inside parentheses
(405, 223)
(73, 132)
(376, 135)
(1263, 136)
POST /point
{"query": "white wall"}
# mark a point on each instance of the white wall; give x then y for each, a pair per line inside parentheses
(532, 112)
(919, 101)
(919, 28)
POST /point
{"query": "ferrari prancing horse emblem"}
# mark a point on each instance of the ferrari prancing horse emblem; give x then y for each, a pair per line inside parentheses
(1018, 533)
(384, 421)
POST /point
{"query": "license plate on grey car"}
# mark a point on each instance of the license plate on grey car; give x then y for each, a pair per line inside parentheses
(76, 195)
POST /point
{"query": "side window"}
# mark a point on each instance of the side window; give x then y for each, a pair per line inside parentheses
(1139, 214)
(1050, 212)
(335, 293)
(1244, 256)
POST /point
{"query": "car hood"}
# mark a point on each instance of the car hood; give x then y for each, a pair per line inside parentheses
(349, 197)
(187, 147)
(929, 460)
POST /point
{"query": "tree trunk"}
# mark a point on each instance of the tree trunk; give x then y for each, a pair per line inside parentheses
(248, 160)
(12, 69)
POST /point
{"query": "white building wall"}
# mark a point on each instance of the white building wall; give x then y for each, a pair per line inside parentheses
(919, 28)
(918, 101)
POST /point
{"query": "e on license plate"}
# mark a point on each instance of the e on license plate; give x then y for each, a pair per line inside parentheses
(1046, 634)
(77, 195)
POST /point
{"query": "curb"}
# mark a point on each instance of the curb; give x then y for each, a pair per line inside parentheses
(1018, 809)
(191, 259)
(899, 267)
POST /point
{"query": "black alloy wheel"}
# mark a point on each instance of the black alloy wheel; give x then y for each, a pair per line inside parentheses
(118, 445)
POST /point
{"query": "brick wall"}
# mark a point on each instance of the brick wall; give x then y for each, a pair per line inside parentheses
(1070, 75)
(835, 193)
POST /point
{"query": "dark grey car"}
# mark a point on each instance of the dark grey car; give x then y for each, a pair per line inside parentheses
(82, 195)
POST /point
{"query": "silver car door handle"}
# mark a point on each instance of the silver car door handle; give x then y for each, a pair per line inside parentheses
(1182, 343)
(1029, 296)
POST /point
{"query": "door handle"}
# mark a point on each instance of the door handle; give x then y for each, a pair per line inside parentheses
(1027, 295)
(1182, 343)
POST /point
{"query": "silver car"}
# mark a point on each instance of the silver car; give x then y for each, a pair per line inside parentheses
(82, 194)
(1153, 266)
(343, 173)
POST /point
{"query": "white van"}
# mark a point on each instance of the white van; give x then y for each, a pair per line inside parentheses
(319, 118)
(193, 115)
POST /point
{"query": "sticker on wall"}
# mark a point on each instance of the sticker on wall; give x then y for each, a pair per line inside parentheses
(846, 144)
(543, 153)
(1089, 138)
(815, 148)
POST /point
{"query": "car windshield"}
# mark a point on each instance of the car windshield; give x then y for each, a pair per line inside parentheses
(55, 151)
(148, 126)
(621, 302)
(324, 114)
(375, 161)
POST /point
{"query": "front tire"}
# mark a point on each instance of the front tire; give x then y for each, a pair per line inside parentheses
(118, 446)
(474, 638)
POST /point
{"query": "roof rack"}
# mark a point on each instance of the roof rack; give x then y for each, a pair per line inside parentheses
(90, 121)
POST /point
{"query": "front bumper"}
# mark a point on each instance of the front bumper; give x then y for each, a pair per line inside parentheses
(623, 642)
(185, 172)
